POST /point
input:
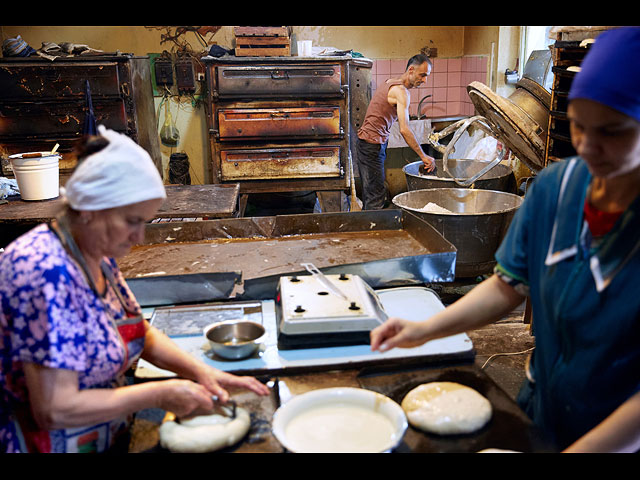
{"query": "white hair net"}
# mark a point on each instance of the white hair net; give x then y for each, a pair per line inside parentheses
(120, 174)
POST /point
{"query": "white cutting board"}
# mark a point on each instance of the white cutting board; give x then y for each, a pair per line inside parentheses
(412, 303)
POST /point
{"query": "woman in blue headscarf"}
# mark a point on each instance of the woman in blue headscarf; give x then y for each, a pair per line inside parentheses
(574, 249)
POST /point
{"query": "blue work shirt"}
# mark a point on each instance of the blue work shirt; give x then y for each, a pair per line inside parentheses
(585, 300)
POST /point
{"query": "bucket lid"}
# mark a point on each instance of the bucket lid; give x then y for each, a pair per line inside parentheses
(33, 155)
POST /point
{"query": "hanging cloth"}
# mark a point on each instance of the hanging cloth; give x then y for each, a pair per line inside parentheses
(89, 119)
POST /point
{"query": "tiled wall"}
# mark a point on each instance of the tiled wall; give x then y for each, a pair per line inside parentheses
(447, 84)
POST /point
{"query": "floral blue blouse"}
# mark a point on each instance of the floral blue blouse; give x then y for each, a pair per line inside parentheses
(50, 316)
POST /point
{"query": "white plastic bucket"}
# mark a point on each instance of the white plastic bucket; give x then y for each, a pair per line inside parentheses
(37, 176)
(304, 48)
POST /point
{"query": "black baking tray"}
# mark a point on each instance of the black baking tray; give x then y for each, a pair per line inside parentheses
(508, 429)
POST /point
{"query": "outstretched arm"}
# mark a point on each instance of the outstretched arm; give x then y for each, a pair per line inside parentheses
(484, 304)
(164, 353)
(399, 94)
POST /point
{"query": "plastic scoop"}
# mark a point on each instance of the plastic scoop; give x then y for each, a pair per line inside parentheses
(311, 268)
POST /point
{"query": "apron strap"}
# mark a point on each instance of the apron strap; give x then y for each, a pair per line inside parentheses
(131, 328)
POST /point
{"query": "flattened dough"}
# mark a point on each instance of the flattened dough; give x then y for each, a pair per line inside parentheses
(205, 433)
(497, 450)
(446, 408)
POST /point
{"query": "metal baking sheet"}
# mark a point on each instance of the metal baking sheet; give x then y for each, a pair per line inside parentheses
(385, 248)
(191, 320)
(183, 326)
(183, 289)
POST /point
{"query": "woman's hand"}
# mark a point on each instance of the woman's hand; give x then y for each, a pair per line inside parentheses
(186, 398)
(487, 302)
(183, 397)
(397, 332)
(215, 380)
(164, 353)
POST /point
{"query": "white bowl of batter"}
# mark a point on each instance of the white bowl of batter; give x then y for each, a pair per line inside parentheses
(339, 420)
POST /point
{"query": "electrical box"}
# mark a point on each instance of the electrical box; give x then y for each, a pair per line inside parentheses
(163, 72)
(185, 75)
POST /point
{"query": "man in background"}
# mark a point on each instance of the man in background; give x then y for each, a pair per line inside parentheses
(390, 103)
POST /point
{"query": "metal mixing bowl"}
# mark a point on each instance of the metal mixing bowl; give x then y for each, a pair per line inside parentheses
(476, 222)
(234, 339)
(500, 177)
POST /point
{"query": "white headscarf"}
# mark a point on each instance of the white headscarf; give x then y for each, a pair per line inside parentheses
(120, 174)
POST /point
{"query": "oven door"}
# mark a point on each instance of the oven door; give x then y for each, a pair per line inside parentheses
(26, 81)
(65, 118)
(278, 80)
(303, 122)
(280, 163)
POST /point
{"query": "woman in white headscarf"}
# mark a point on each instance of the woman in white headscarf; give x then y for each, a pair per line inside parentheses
(70, 327)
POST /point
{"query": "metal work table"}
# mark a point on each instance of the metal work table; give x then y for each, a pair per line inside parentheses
(183, 201)
(509, 428)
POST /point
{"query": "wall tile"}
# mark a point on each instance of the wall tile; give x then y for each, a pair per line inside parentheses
(439, 65)
(483, 63)
(454, 108)
(480, 77)
(464, 96)
(383, 67)
(472, 64)
(437, 109)
(422, 91)
(454, 65)
(397, 67)
(454, 79)
(453, 94)
(439, 79)
(440, 94)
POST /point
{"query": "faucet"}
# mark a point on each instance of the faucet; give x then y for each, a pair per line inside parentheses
(420, 106)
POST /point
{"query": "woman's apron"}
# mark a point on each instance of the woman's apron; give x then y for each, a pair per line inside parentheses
(586, 313)
(131, 331)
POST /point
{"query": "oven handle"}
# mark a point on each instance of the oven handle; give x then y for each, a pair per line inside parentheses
(279, 75)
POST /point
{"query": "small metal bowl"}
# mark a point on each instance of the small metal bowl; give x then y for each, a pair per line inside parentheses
(234, 339)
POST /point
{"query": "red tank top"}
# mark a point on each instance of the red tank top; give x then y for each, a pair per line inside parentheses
(380, 115)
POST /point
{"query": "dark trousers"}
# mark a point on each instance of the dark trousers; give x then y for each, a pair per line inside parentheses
(371, 157)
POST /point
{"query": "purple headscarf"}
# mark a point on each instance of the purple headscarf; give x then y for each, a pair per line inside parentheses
(610, 72)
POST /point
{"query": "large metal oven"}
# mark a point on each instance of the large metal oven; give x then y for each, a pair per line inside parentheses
(280, 124)
(44, 102)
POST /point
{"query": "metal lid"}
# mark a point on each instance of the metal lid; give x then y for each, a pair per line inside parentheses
(521, 129)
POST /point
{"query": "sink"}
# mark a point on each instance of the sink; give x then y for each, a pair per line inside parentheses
(421, 129)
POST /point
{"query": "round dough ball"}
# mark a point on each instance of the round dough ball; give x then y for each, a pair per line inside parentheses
(446, 408)
(205, 433)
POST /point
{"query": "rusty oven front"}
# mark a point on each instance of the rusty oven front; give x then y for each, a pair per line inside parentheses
(43, 103)
(279, 123)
